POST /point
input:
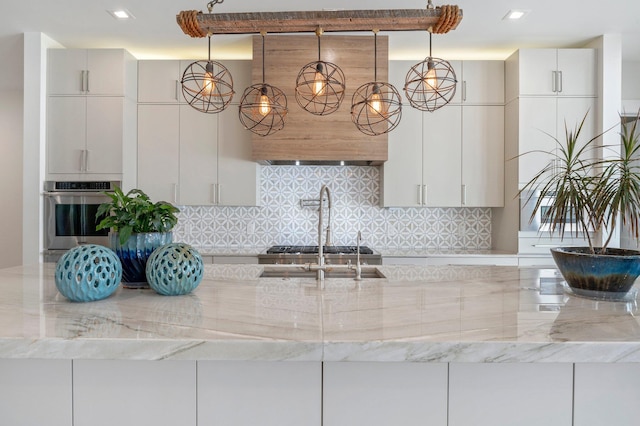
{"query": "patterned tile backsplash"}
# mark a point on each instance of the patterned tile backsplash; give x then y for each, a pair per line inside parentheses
(355, 195)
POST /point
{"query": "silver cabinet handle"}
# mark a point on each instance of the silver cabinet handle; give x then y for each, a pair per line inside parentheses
(81, 160)
(177, 89)
(86, 160)
(219, 194)
(464, 195)
(419, 195)
(87, 74)
(425, 195)
(175, 192)
(464, 90)
(554, 78)
(82, 81)
(559, 83)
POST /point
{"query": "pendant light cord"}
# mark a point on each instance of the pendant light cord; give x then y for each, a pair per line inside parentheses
(375, 55)
(209, 55)
(263, 79)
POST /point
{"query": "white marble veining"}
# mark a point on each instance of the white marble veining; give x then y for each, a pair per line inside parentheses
(417, 314)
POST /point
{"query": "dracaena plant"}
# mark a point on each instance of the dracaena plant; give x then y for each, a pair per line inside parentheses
(596, 193)
(134, 212)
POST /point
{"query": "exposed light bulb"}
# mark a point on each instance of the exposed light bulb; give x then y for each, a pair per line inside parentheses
(208, 83)
(430, 79)
(375, 101)
(264, 104)
(319, 82)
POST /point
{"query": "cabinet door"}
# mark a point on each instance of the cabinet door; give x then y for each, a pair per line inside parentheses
(510, 394)
(537, 71)
(537, 120)
(105, 123)
(384, 393)
(158, 151)
(579, 72)
(159, 81)
(402, 172)
(66, 134)
(238, 175)
(607, 394)
(106, 72)
(483, 82)
(65, 71)
(441, 156)
(571, 111)
(35, 392)
(125, 392)
(266, 393)
(483, 156)
(458, 69)
(198, 157)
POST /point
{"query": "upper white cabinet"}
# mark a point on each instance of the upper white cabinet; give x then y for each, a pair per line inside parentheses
(479, 82)
(454, 156)
(552, 72)
(91, 114)
(159, 81)
(91, 72)
(204, 159)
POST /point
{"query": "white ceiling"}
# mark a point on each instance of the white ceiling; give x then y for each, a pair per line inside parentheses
(481, 34)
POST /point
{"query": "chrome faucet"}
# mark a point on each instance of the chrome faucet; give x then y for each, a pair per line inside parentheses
(323, 189)
(358, 266)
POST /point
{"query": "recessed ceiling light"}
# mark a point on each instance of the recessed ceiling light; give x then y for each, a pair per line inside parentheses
(121, 14)
(515, 14)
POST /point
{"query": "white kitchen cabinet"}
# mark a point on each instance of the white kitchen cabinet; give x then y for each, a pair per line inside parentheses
(482, 83)
(35, 392)
(540, 121)
(246, 393)
(552, 72)
(204, 159)
(607, 394)
(511, 393)
(483, 156)
(126, 392)
(441, 157)
(85, 134)
(159, 81)
(446, 157)
(384, 393)
(97, 72)
(159, 151)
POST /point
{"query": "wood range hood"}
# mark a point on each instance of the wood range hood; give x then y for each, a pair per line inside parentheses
(311, 139)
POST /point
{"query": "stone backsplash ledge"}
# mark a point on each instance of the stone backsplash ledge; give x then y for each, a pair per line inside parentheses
(355, 193)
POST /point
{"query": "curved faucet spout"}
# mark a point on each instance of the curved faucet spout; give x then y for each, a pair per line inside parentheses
(323, 189)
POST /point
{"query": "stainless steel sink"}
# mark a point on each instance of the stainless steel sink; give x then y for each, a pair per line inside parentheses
(298, 272)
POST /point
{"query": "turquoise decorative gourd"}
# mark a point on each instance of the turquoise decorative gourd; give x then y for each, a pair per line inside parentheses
(87, 273)
(174, 269)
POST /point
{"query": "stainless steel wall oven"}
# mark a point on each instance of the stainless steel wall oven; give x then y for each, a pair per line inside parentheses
(70, 214)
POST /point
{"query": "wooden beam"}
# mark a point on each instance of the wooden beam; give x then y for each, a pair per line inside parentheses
(197, 24)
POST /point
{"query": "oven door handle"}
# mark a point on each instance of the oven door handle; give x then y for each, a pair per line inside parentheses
(74, 194)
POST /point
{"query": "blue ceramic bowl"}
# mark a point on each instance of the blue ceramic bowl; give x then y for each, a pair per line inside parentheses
(588, 274)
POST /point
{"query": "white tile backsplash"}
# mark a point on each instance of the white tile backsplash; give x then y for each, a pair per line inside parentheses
(355, 197)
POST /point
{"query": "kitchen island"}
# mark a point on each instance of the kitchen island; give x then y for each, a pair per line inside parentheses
(448, 345)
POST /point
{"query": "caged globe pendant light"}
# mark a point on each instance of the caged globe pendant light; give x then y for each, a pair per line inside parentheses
(320, 85)
(376, 107)
(263, 107)
(430, 84)
(207, 85)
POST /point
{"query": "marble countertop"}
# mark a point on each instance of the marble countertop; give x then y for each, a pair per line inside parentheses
(416, 314)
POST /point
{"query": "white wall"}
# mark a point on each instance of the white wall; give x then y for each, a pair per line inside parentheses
(11, 150)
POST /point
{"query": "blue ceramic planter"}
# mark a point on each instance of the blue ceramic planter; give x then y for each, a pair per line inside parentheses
(609, 275)
(134, 254)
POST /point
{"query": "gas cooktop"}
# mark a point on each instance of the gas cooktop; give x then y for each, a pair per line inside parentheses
(314, 250)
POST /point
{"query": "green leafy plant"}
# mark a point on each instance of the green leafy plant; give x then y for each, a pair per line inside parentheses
(134, 212)
(596, 193)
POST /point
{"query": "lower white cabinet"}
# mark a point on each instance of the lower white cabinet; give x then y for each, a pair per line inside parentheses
(384, 393)
(35, 392)
(607, 394)
(506, 394)
(249, 393)
(125, 392)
